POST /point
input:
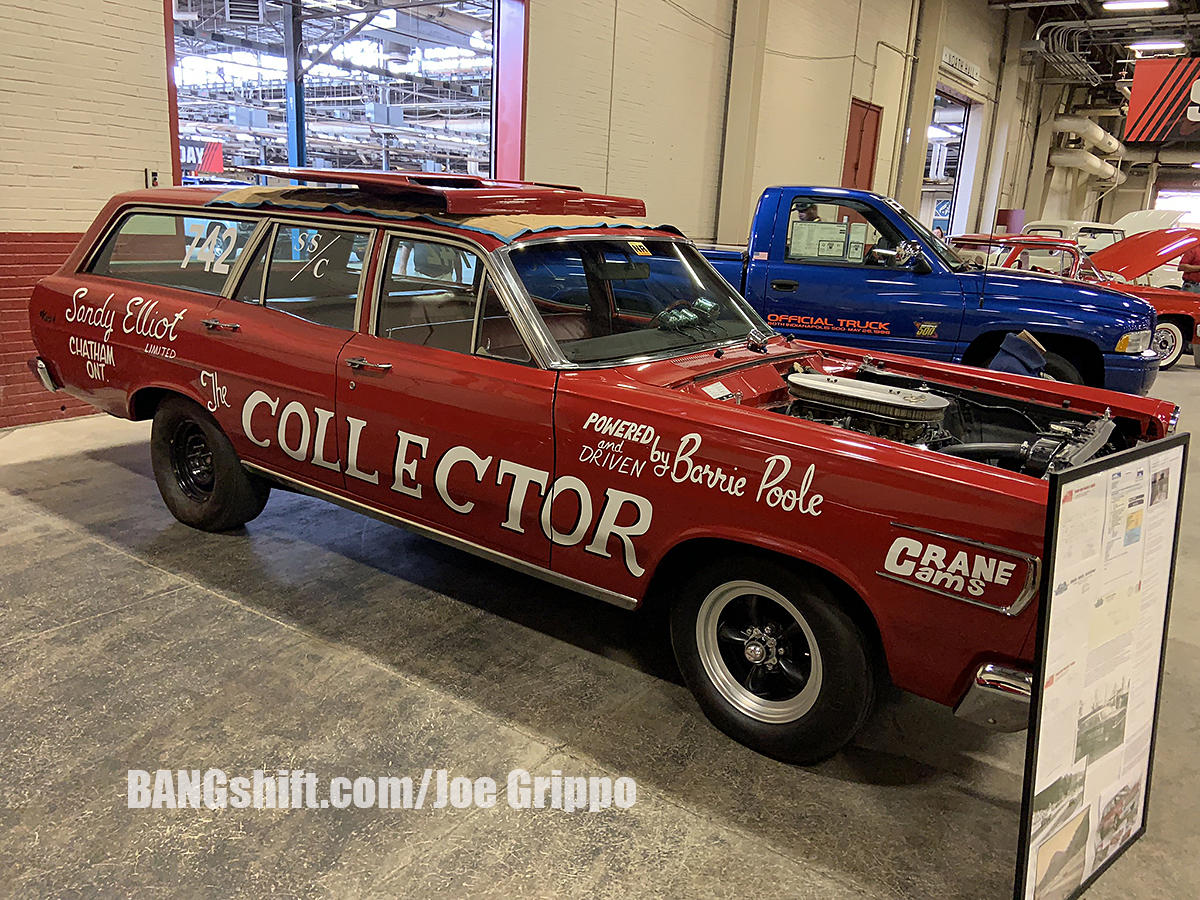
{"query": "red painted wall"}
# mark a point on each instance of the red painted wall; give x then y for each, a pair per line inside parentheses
(25, 258)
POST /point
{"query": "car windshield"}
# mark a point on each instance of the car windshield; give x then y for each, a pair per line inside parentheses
(619, 299)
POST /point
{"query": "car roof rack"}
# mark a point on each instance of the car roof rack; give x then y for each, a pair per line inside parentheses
(467, 195)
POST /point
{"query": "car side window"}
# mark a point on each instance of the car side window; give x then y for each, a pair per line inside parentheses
(429, 294)
(848, 233)
(309, 272)
(191, 252)
(498, 336)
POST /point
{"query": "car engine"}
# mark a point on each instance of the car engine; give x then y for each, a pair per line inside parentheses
(1023, 437)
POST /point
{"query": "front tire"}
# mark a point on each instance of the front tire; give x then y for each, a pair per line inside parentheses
(1062, 369)
(199, 475)
(772, 658)
(1168, 344)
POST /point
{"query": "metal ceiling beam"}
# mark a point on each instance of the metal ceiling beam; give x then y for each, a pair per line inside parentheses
(374, 9)
(325, 54)
(1030, 4)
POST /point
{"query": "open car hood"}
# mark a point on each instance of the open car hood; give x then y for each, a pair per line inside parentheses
(1148, 220)
(1135, 256)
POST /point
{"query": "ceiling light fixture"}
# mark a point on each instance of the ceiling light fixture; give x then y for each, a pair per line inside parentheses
(1147, 46)
(1134, 5)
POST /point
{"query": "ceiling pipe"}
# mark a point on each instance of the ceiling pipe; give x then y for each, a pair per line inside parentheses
(1091, 133)
(1164, 157)
(1087, 162)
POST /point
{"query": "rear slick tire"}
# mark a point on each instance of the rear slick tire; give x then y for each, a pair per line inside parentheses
(199, 475)
(772, 658)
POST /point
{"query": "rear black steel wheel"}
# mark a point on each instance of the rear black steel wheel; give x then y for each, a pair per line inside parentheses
(199, 475)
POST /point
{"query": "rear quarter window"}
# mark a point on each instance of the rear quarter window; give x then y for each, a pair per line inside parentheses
(179, 250)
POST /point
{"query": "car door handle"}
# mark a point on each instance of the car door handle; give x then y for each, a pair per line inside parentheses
(783, 284)
(218, 325)
(358, 362)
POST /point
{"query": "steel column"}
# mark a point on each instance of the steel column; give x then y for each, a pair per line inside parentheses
(293, 47)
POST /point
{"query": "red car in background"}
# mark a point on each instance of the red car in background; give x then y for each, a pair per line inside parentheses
(531, 374)
(1117, 266)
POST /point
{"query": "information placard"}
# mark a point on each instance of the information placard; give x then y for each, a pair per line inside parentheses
(1111, 540)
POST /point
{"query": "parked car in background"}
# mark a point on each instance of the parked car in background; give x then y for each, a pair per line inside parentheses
(1095, 236)
(1117, 266)
(854, 267)
(531, 375)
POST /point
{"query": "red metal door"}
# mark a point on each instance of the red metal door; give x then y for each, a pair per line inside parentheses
(461, 443)
(435, 430)
(862, 145)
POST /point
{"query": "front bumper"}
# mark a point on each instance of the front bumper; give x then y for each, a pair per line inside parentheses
(998, 698)
(1132, 373)
(38, 367)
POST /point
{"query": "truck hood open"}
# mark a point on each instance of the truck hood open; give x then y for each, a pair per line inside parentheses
(1135, 256)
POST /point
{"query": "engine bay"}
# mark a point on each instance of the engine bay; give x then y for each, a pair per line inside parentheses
(1020, 436)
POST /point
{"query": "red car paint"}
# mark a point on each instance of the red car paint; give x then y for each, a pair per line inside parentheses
(593, 477)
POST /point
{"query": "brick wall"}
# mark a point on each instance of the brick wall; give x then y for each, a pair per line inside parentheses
(84, 110)
(26, 257)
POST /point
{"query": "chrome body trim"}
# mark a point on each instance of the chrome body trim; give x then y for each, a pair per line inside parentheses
(1033, 568)
(1174, 422)
(998, 698)
(458, 543)
(43, 373)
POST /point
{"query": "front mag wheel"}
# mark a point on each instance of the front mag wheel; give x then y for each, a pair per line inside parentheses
(1168, 344)
(772, 658)
(198, 472)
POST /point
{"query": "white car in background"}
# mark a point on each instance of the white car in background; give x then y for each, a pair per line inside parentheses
(1093, 236)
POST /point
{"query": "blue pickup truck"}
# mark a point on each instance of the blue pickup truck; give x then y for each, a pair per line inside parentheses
(852, 267)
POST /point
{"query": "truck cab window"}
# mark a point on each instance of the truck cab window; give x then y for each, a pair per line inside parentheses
(846, 233)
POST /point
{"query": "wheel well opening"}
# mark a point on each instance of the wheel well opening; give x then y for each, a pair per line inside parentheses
(145, 402)
(1185, 324)
(684, 558)
(1079, 352)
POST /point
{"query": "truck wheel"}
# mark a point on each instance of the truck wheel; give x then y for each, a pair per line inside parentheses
(772, 658)
(1168, 344)
(1062, 369)
(199, 475)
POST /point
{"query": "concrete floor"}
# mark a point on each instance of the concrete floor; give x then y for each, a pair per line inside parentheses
(324, 640)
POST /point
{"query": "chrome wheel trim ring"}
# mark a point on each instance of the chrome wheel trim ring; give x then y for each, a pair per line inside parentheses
(772, 712)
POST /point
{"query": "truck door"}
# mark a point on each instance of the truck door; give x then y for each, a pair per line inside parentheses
(832, 276)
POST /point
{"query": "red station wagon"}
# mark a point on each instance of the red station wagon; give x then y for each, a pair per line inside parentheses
(531, 374)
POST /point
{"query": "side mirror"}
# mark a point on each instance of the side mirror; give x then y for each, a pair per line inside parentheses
(910, 255)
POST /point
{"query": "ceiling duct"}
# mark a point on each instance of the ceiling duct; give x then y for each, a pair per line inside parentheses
(245, 12)
(1091, 133)
(1087, 162)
